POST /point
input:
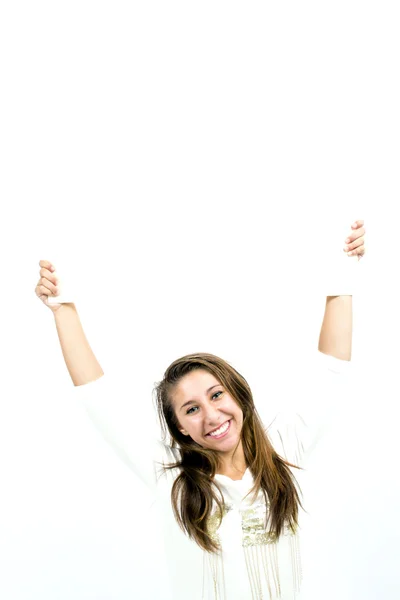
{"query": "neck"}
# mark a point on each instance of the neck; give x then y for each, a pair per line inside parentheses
(233, 465)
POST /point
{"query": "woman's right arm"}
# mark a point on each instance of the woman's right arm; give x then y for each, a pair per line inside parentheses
(80, 360)
(127, 423)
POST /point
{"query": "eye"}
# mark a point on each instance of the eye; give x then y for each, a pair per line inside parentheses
(189, 411)
(216, 394)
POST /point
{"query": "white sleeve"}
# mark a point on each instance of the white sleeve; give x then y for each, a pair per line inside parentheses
(315, 388)
(127, 423)
(317, 397)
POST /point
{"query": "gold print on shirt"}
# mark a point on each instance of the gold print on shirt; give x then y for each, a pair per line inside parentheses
(253, 527)
(214, 522)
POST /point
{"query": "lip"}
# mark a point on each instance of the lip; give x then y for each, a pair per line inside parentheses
(218, 437)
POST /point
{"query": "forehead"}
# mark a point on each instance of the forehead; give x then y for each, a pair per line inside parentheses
(195, 383)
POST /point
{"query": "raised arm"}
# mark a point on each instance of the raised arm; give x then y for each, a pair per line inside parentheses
(336, 331)
(80, 360)
(126, 421)
(318, 393)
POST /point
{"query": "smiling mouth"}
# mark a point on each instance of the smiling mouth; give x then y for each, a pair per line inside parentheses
(221, 431)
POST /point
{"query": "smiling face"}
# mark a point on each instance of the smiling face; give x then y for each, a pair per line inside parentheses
(206, 412)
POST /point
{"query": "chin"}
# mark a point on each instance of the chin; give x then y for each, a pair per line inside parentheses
(227, 445)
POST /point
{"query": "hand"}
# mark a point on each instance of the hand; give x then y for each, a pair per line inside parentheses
(354, 244)
(47, 284)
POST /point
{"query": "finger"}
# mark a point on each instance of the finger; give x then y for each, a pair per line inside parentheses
(356, 224)
(46, 273)
(354, 245)
(360, 251)
(42, 290)
(355, 235)
(47, 265)
(46, 287)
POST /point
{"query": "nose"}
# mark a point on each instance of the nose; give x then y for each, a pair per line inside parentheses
(212, 416)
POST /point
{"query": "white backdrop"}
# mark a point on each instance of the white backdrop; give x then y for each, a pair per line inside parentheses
(189, 168)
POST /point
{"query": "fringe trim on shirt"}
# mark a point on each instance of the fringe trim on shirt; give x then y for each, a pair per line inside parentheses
(296, 562)
(263, 566)
(216, 568)
(260, 549)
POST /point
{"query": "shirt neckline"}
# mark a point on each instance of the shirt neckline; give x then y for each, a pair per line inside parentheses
(233, 481)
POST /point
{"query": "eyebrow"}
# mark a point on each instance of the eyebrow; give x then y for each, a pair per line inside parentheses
(192, 401)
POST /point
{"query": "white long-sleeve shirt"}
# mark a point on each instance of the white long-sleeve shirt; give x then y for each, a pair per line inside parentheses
(251, 566)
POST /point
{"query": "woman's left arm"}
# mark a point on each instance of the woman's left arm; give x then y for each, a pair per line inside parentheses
(296, 431)
(337, 325)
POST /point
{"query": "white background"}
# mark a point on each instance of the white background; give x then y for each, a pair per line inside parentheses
(190, 168)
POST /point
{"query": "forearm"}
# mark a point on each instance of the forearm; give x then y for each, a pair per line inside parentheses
(80, 360)
(337, 327)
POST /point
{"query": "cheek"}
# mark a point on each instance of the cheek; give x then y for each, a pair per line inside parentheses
(240, 422)
(239, 419)
(236, 412)
(192, 426)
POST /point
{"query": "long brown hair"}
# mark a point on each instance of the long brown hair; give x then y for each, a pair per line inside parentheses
(194, 493)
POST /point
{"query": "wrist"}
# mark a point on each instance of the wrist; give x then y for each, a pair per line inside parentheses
(62, 309)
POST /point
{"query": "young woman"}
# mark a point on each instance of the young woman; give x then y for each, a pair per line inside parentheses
(230, 484)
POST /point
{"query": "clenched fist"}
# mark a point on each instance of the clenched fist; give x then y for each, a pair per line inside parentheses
(354, 244)
(47, 284)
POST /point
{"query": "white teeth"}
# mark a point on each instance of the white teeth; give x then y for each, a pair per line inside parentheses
(222, 429)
